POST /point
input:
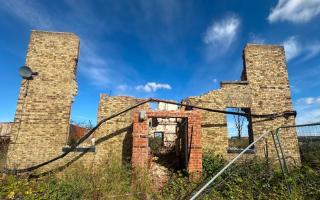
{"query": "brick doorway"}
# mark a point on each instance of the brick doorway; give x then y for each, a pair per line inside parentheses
(187, 144)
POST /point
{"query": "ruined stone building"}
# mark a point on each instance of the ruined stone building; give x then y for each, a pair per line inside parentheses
(5, 130)
(42, 121)
(165, 128)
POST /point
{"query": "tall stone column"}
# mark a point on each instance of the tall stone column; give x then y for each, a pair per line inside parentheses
(42, 117)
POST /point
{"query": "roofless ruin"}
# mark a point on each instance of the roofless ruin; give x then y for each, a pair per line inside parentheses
(184, 130)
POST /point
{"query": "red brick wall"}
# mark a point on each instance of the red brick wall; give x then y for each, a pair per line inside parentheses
(140, 150)
(76, 132)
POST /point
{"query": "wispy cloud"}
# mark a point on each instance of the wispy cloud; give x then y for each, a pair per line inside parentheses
(308, 109)
(99, 70)
(313, 49)
(92, 65)
(295, 11)
(30, 12)
(221, 34)
(295, 48)
(309, 100)
(153, 86)
(292, 48)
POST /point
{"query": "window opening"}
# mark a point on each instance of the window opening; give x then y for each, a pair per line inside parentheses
(239, 127)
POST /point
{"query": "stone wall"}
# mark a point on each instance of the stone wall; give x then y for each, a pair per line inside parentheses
(115, 136)
(264, 89)
(5, 131)
(41, 124)
(167, 126)
(43, 110)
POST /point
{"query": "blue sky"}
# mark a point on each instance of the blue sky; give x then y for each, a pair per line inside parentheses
(163, 48)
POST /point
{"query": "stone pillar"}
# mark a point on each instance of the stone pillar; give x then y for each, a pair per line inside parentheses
(43, 110)
(265, 69)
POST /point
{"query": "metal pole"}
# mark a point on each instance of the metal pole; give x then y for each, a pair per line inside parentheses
(226, 167)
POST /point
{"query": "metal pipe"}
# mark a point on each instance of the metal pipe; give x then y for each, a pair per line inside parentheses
(226, 167)
(272, 115)
(90, 132)
(299, 125)
(86, 136)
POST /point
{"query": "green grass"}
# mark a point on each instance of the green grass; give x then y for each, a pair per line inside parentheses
(250, 180)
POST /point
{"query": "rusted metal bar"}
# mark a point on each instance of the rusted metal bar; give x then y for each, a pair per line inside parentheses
(90, 132)
(272, 115)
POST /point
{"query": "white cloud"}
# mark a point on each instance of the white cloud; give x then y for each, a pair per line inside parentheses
(313, 50)
(29, 11)
(221, 34)
(100, 71)
(291, 47)
(308, 110)
(103, 71)
(153, 86)
(309, 100)
(309, 115)
(93, 66)
(98, 75)
(296, 11)
(294, 48)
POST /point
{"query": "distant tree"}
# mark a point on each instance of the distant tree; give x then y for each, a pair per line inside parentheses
(87, 124)
(238, 121)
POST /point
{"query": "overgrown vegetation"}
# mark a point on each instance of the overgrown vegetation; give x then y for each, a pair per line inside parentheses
(112, 181)
(155, 144)
(4, 143)
(310, 153)
(253, 179)
(238, 143)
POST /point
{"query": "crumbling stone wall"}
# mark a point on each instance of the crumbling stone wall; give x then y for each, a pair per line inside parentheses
(42, 117)
(43, 110)
(115, 136)
(264, 89)
(5, 131)
(167, 126)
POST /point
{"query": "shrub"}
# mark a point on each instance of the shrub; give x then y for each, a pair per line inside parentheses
(247, 180)
(155, 144)
(112, 180)
(211, 163)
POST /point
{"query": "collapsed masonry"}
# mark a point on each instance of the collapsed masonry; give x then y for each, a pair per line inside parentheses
(40, 130)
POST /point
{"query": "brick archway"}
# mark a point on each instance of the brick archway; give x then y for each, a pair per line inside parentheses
(140, 149)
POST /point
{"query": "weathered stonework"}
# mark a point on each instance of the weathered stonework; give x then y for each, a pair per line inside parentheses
(166, 126)
(43, 110)
(5, 131)
(264, 89)
(41, 125)
(115, 132)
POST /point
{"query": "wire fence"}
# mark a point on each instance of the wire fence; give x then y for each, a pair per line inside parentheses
(250, 173)
(248, 179)
(309, 145)
(308, 142)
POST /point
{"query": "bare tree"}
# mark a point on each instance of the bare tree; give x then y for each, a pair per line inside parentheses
(238, 121)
